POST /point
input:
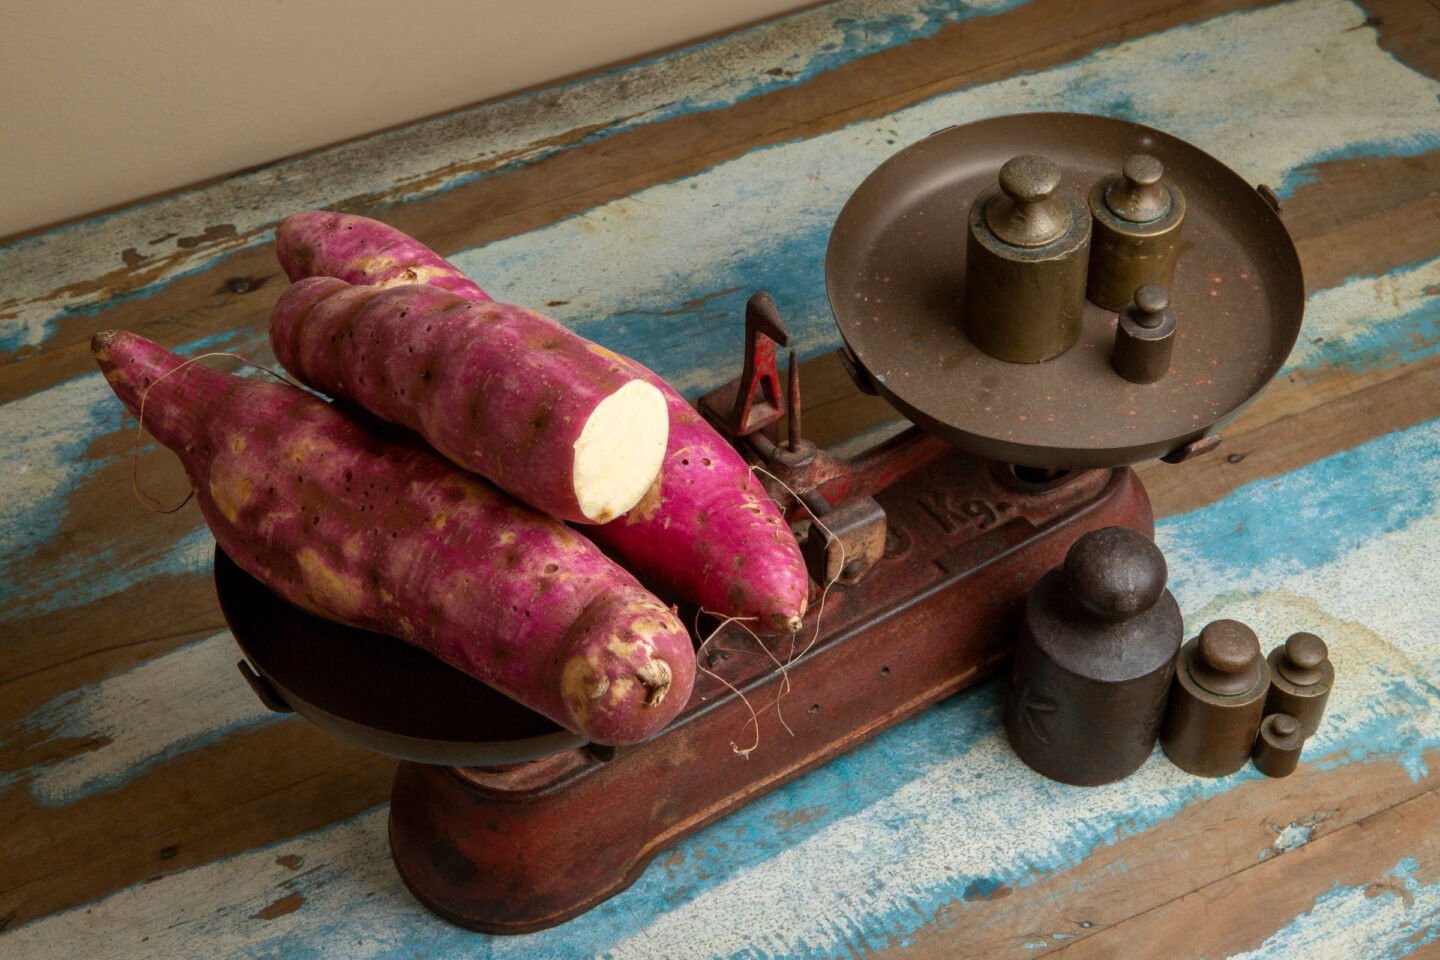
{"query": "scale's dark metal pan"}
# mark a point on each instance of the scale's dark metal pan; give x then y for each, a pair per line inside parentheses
(374, 691)
(895, 275)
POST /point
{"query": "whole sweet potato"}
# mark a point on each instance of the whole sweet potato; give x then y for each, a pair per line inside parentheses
(389, 537)
(500, 390)
(318, 243)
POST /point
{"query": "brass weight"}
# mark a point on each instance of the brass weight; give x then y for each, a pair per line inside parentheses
(1216, 701)
(1025, 259)
(1138, 216)
(1301, 676)
(1145, 336)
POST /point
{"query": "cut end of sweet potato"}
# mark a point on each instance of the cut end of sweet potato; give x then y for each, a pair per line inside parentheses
(620, 450)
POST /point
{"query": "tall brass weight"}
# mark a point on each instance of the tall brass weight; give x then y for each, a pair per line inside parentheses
(1026, 256)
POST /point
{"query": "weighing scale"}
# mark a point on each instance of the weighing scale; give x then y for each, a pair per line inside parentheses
(929, 541)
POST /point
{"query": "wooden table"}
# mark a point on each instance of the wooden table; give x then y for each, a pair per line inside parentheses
(152, 807)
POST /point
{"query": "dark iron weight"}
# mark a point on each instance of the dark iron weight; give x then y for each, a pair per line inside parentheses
(1094, 660)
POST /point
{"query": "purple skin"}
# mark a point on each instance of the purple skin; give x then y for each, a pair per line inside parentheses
(499, 390)
(358, 250)
(389, 537)
(708, 531)
(697, 533)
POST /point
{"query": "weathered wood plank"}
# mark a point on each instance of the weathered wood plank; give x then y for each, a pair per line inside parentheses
(1370, 889)
(1241, 839)
(1266, 447)
(975, 820)
(1361, 200)
(276, 781)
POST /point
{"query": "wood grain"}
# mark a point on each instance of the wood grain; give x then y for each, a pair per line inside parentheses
(1170, 872)
(1239, 912)
(1360, 219)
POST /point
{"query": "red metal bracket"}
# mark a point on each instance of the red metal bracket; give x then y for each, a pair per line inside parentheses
(764, 331)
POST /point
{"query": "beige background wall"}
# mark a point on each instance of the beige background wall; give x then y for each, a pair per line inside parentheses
(105, 101)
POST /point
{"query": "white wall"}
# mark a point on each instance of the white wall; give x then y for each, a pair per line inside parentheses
(106, 101)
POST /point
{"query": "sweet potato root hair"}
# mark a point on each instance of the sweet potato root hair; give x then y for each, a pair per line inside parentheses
(147, 501)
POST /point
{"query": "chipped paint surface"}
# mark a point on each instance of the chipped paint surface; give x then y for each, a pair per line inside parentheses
(43, 458)
(828, 839)
(141, 718)
(1383, 921)
(1294, 834)
(1343, 547)
(762, 221)
(160, 241)
(1370, 323)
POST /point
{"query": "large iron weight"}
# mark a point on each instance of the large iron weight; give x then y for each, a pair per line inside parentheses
(1094, 660)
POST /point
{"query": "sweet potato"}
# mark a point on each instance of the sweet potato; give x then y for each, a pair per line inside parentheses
(318, 243)
(389, 537)
(708, 531)
(500, 390)
(705, 530)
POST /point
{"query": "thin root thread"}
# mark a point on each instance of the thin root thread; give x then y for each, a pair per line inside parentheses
(783, 667)
(147, 501)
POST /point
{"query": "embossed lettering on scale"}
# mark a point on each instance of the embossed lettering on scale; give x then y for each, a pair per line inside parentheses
(952, 516)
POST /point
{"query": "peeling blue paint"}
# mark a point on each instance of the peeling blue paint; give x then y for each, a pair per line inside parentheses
(1395, 335)
(1313, 515)
(1387, 921)
(138, 719)
(14, 336)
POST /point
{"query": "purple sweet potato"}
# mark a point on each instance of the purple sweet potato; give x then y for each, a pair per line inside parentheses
(500, 390)
(708, 531)
(389, 537)
(318, 243)
(705, 530)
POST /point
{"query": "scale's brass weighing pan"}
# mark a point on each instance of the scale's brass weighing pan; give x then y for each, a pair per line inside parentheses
(375, 691)
(895, 273)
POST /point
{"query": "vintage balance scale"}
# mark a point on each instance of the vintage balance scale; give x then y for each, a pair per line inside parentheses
(935, 536)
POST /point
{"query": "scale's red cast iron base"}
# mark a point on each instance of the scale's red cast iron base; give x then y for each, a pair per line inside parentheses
(517, 849)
